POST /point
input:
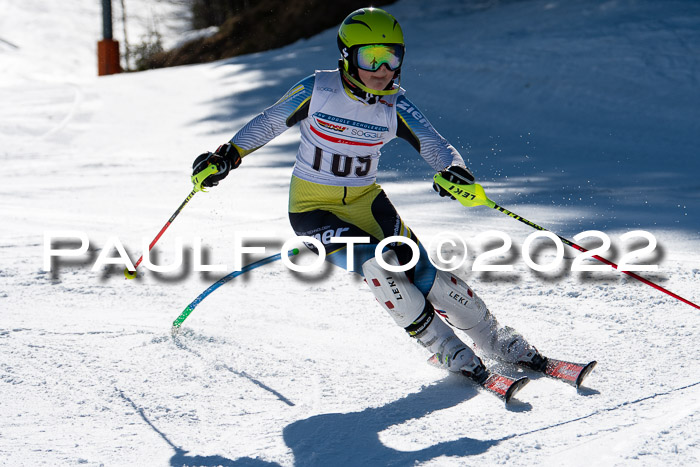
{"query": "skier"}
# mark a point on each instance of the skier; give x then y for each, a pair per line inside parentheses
(346, 115)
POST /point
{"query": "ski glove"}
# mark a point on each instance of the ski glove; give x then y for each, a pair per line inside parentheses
(226, 158)
(454, 174)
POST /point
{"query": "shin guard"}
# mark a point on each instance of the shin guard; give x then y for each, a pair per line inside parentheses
(394, 292)
(464, 310)
(406, 304)
(458, 304)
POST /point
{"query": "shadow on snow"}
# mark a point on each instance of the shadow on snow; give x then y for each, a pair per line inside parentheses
(353, 438)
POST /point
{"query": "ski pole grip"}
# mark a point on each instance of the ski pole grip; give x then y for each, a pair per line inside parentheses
(468, 195)
(199, 177)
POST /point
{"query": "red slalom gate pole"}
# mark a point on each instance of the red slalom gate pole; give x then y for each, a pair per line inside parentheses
(474, 195)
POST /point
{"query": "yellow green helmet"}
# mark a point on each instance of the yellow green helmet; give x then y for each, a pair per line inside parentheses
(368, 27)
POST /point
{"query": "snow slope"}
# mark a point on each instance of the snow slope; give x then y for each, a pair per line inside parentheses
(577, 115)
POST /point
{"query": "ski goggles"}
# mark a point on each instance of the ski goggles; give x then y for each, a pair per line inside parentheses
(372, 57)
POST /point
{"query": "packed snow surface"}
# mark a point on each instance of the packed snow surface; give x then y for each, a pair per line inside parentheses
(578, 115)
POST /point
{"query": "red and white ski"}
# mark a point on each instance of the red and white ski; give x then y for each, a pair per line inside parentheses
(502, 386)
(572, 373)
(499, 385)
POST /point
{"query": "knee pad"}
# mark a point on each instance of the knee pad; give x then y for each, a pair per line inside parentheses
(394, 292)
(458, 304)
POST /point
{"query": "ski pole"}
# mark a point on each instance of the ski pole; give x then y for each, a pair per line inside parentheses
(197, 180)
(474, 195)
(190, 308)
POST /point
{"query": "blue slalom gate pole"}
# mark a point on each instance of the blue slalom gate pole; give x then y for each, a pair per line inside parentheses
(190, 308)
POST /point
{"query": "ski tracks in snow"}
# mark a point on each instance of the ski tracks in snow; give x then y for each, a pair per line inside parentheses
(647, 416)
(36, 112)
(52, 379)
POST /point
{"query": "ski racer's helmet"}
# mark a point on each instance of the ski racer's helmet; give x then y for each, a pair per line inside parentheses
(369, 38)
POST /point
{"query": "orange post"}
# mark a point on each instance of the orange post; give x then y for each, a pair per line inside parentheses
(108, 57)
